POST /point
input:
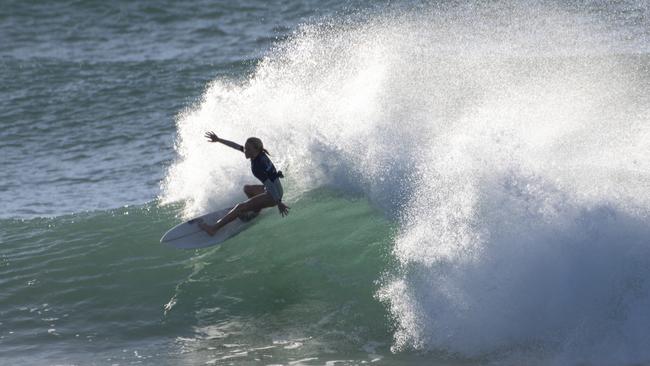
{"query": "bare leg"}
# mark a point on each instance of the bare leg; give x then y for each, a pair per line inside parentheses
(251, 191)
(255, 203)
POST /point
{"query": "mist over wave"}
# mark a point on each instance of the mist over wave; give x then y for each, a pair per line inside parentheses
(509, 143)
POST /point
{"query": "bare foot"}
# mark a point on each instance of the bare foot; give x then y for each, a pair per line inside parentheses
(207, 228)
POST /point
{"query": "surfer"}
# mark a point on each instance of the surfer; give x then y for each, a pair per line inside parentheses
(267, 194)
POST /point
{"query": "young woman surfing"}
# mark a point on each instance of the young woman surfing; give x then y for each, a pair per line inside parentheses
(267, 194)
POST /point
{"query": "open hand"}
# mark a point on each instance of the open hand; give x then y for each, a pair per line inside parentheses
(284, 209)
(211, 136)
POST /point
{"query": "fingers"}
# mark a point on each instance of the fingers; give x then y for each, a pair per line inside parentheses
(284, 210)
(212, 136)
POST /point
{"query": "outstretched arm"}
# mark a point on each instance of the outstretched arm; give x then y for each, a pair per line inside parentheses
(212, 137)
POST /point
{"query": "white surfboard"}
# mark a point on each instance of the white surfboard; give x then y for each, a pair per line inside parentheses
(189, 235)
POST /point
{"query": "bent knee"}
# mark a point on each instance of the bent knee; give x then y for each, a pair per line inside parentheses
(248, 189)
(253, 190)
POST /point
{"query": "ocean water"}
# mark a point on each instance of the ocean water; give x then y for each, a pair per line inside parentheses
(469, 182)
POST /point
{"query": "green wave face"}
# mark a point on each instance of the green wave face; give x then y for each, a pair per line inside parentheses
(101, 283)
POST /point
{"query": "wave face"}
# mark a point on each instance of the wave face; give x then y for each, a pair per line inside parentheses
(77, 291)
(509, 145)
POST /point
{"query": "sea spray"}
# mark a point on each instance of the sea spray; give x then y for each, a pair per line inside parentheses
(506, 142)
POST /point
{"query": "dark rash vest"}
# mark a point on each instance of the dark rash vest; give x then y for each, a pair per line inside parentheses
(264, 170)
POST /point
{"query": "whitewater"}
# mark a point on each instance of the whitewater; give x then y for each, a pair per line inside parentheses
(515, 170)
(469, 184)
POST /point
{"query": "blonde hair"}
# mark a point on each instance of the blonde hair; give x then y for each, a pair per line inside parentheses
(257, 144)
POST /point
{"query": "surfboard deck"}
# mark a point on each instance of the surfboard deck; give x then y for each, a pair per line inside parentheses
(188, 235)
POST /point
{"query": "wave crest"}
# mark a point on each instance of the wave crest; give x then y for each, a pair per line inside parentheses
(512, 160)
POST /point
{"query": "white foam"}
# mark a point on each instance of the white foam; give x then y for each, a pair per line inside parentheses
(514, 160)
